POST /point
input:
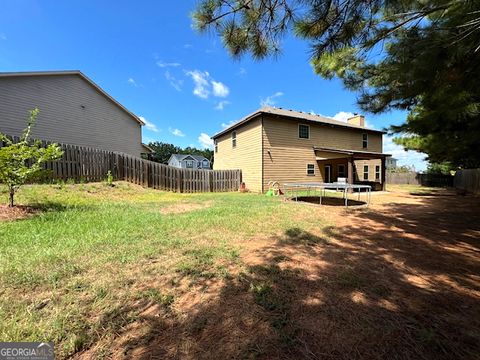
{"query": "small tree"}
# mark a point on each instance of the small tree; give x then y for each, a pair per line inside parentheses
(21, 162)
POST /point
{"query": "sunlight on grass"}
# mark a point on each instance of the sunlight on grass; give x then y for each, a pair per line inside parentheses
(77, 266)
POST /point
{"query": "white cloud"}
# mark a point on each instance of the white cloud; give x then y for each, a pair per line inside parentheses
(342, 116)
(3, 36)
(200, 80)
(205, 141)
(270, 100)
(242, 71)
(176, 132)
(225, 125)
(204, 85)
(220, 89)
(162, 64)
(404, 157)
(149, 125)
(187, 46)
(177, 84)
(132, 82)
(221, 105)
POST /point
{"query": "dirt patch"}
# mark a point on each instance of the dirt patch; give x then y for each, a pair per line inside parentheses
(397, 280)
(179, 208)
(17, 212)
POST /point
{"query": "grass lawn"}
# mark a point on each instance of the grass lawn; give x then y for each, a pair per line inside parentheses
(127, 272)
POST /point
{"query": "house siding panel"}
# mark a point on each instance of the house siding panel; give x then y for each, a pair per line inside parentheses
(72, 111)
(247, 155)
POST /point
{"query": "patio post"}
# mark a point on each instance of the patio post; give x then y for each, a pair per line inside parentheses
(350, 178)
(383, 173)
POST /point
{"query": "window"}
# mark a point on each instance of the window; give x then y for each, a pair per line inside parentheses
(365, 141)
(216, 145)
(189, 164)
(377, 172)
(365, 172)
(205, 163)
(341, 170)
(310, 169)
(234, 139)
(303, 131)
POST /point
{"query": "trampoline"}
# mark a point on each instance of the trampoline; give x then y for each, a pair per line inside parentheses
(319, 188)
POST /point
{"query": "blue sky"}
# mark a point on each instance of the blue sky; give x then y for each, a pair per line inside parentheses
(185, 85)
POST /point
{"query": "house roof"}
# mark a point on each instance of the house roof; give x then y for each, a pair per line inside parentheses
(73, 72)
(296, 115)
(181, 157)
(148, 148)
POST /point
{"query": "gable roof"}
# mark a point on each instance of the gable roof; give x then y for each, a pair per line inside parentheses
(296, 115)
(77, 73)
(181, 157)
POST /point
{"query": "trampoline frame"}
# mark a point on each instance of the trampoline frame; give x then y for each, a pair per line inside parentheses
(344, 187)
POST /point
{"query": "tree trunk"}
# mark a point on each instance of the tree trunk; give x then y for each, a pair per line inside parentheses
(12, 193)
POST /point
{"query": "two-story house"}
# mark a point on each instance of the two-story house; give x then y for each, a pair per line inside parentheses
(186, 161)
(274, 144)
(73, 110)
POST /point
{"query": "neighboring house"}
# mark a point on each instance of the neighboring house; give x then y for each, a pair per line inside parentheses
(391, 163)
(189, 161)
(73, 110)
(274, 144)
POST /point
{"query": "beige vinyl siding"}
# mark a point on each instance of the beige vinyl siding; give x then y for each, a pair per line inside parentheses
(72, 111)
(247, 155)
(371, 169)
(285, 155)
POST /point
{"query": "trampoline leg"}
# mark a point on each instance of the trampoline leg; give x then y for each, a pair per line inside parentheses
(346, 197)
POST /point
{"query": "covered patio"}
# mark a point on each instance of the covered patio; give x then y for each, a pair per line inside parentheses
(358, 167)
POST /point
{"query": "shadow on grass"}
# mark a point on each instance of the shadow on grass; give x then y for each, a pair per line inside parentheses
(329, 200)
(401, 283)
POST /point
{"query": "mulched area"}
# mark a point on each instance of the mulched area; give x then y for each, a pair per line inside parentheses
(17, 212)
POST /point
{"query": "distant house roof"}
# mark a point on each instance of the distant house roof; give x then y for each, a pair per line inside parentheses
(298, 115)
(147, 148)
(77, 73)
(181, 157)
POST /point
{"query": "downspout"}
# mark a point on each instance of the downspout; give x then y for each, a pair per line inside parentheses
(263, 155)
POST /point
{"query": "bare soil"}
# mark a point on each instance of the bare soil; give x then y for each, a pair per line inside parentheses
(398, 280)
(16, 212)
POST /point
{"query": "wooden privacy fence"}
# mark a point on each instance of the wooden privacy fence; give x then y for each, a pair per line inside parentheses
(419, 179)
(468, 180)
(88, 164)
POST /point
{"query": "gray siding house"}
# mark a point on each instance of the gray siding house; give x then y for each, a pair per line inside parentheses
(73, 110)
(189, 161)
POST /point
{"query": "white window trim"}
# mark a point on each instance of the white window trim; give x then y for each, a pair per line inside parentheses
(379, 172)
(314, 172)
(363, 141)
(366, 172)
(298, 132)
(187, 162)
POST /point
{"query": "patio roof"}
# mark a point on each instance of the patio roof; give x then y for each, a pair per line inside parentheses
(357, 154)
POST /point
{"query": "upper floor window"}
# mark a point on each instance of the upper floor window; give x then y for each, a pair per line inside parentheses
(216, 145)
(365, 172)
(303, 131)
(189, 164)
(365, 141)
(205, 163)
(234, 139)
